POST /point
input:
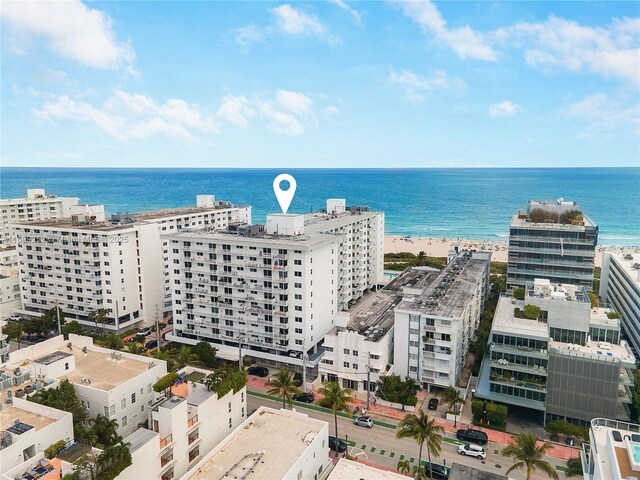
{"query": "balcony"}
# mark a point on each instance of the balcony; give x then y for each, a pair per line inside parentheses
(192, 421)
(518, 383)
(520, 368)
(165, 460)
(166, 441)
(167, 476)
(194, 454)
(193, 438)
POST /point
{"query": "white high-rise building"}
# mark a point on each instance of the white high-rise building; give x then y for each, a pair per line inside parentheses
(435, 321)
(274, 289)
(36, 206)
(85, 263)
(620, 288)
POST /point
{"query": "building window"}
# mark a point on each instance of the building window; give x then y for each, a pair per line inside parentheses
(230, 423)
(124, 421)
(123, 404)
(133, 397)
(346, 364)
(346, 351)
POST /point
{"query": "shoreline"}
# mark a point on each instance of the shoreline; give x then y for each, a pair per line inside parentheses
(440, 246)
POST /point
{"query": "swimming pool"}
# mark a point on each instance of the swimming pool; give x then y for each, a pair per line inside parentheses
(635, 451)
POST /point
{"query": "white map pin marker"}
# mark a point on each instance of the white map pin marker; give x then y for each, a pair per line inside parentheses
(284, 196)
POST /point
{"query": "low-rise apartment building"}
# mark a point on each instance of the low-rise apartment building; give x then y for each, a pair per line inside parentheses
(118, 385)
(27, 429)
(9, 281)
(86, 263)
(359, 349)
(436, 321)
(612, 452)
(276, 288)
(271, 443)
(620, 289)
(191, 423)
(552, 240)
(35, 206)
(569, 363)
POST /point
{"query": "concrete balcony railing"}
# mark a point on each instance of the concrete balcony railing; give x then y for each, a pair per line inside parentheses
(166, 441)
(192, 421)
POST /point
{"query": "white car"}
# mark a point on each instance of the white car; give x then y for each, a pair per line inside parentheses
(472, 450)
(15, 318)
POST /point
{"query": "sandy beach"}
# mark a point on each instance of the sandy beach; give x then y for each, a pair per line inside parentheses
(439, 247)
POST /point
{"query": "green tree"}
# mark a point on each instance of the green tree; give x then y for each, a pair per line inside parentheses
(135, 348)
(574, 467)
(283, 386)
(98, 316)
(453, 398)
(529, 455)
(403, 466)
(337, 399)
(165, 383)
(72, 327)
(422, 430)
(63, 397)
(532, 311)
(186, 357)
(168, 356)
(518, 293)
(421, 257)
(50, 319)
(106, 431)
(14, 331)
(113, 342)
(206, 353)
(419, 473)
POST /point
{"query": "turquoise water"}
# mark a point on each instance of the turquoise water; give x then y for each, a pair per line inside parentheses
(468, 203)
(635, 448)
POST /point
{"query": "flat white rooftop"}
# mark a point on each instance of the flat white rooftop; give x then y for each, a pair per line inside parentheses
(348, 469)
(628, 262)
(277, 437)
(504, 320)
(611, 437)
(10, 415)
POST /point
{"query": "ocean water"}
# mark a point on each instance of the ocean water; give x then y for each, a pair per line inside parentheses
(452, 203)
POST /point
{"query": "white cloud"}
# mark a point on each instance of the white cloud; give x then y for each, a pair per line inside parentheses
(466, 42)
(603, 114)
(504, 109)
(248, 35)
(281, 122)
(72, 29)
(612, 51)
(416, 85)
(331, 111)
(236, 110)
(127, 115)
(294, 102)
(355, 14)
(295, 22)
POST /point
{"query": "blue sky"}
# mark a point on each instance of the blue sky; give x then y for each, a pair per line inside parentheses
(310, 84)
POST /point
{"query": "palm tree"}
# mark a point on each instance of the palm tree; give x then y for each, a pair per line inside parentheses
(135, 348)
(186, 357)
(404, 466)
(421, 429)
(453, 398)
(421, 257)
(338, 398)
(113, 342)
(283, 386)
(419, 473)
(106, 430)
(14, 332)
(528, 454)
(168, 356)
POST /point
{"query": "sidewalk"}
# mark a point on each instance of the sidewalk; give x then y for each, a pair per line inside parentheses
(558, 451)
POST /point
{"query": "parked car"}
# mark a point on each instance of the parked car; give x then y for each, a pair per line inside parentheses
(15, 318)
(258, 371)
(433, 403)
(342, 445)
(470, 435)
(363, 422)
(472, 450)
(151, 344)
(306, 397)
(439, 471)
(144, 332)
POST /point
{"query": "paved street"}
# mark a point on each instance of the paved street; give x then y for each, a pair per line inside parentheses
(380, 445)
